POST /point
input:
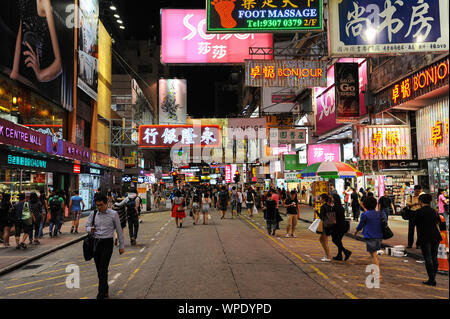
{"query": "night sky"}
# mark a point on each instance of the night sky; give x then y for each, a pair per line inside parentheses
(142, 21)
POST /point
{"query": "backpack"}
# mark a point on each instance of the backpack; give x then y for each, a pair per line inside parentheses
(330, 218)
(223, 196)
(249, 197)
(131, 208)
(55, 205)
(234, 197)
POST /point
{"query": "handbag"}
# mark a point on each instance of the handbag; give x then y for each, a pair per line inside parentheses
(406, 213)
(254, 210)
(314, 226)
(387, 232)
(26, 215)
(89, 243)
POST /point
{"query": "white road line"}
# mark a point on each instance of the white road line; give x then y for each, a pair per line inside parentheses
(131, 260)
(117, 276)
(152, 239)
(142, 250)
(162, 228)
(157, 233)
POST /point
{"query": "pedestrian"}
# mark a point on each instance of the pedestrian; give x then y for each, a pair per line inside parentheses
(37, 215)
(45, 209)
(206, 206)
(195, 204)
(22, 221)
(222, 201)
(249, 201)
(234, 200)
(333, 190)
(291, 204)
(443, 205)
(340, 229)
(355, 203)
(347, 198)
(385, 205)
(371, 223)
(270, 214)
(102, 227)
(428, 236)
(75, 208)
(132, 203)
(56, 204)
(240, 200)
(362, 197)
(413, 205)
(122, 211)
(110, 199)
(326, 216)
(6, 218)
(178, 210)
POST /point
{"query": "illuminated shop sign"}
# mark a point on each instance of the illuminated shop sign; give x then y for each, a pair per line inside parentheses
(94, 171)
(184, 40)
(285, 73)
(16, 135)
(384, 142)
(237, 16)
(422, 82)
(25, 161)
(76, 169)
(159, 136)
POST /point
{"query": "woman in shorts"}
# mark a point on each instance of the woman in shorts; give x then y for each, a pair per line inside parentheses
(325, 209)
(370, 222)
(195, 205)
(206, 206)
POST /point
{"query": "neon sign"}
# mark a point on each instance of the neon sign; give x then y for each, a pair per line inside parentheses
(25, 161)
(234, 16)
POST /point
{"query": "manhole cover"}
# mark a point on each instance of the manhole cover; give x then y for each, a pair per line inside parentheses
(31, 267)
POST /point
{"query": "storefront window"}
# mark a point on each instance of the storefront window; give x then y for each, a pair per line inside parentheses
(89, 185)
(31, 181)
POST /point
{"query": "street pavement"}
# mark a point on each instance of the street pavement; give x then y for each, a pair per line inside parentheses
(229, 259)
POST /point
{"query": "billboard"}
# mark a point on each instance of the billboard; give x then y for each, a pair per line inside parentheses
(363, 27)
(184, 40)
(325, 97)
(347, 92)
(172, 101)
(88, 47)
(278, 99)
(263, 16)
(384, 142)
(41, 55)
(324, 153)
(166, 136)
(285, 73)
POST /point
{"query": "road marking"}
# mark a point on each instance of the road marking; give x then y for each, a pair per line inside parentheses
(142, 250)
(157, 233)
(152, 239)
(351, 295)
(132, 259)
(84, 298)
(437, 288)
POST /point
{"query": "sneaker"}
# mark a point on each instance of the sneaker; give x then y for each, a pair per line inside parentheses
(76, 232)
(287, 236)
(181, 225)
(338, 258)
(325, 259)
(71, 230)
(22, 245)
(293, 236)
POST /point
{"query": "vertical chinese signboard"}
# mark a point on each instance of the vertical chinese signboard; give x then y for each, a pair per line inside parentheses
(386, 26)
(236, 16)
(347, 92)
(384, 142)
(432, 130)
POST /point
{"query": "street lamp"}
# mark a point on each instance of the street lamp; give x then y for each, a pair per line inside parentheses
(113, 7)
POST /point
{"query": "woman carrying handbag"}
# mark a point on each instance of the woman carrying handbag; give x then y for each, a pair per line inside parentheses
(178, 210)
(328, 217)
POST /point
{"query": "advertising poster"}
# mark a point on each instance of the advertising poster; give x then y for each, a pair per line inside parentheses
(49, 70)
(324, 153)
(184, 40)
(319, 188)
(264, 16)
(88, 47)
(347, 92)
(387, 27)
(172, 101)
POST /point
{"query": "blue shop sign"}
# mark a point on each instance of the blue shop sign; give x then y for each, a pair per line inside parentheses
(25, 161)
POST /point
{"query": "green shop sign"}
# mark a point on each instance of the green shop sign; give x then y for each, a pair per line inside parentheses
(25, 161)
(249, 16)
(291, 163)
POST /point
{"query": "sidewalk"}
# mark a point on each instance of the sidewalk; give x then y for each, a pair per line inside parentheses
(398, 226)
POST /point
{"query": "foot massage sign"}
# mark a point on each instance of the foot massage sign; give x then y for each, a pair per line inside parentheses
(235, 16)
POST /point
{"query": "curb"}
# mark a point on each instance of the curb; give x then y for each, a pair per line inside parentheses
(44, 253)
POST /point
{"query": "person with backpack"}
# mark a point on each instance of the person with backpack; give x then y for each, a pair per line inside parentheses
(56, 204)
(6, 218)
(270, 214)
(222, 202)
(132, 203)
(328, 218)
(250, 201)
(23, 221)
(122, 211)
(234, 200)
(37, 215)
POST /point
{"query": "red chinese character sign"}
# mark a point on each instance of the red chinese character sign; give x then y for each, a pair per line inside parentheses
(184, 40)
(166, 136)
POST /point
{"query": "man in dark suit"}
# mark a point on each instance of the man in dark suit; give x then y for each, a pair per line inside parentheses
(427, 220)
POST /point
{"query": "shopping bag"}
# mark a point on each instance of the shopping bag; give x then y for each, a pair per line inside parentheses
(314, 226)
(254, 210)
(66, 212)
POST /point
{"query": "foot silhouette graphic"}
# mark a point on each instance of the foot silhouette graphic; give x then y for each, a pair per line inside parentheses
(224, 8)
